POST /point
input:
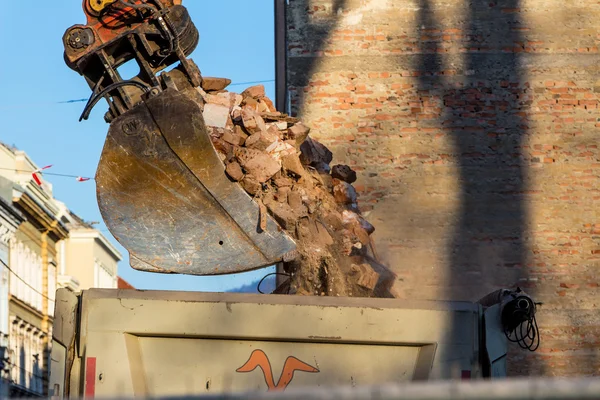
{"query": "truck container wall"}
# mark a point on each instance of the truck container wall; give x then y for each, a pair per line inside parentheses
(110, 342)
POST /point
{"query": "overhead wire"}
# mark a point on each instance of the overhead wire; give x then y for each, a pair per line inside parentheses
(251, 83)
(48, 173)
(23, 280)
(2, 106)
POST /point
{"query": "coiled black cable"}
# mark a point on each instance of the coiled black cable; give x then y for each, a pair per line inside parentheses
(520, 324)
(267, 275)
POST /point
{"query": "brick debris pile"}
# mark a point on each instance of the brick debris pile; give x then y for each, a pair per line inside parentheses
(289, 174)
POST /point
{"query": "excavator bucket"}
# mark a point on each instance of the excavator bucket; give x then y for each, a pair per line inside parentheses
(165, 197)
(161, 186)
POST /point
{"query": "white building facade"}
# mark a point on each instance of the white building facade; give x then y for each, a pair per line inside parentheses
(10, 219)
(86, 258)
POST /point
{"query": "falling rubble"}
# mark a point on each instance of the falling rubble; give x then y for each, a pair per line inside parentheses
(288, 174)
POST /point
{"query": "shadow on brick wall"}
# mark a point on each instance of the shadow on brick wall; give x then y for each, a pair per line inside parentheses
(483, 110)
(318, 31)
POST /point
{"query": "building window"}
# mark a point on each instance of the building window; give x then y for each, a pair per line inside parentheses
(26, 356)
(27, 284)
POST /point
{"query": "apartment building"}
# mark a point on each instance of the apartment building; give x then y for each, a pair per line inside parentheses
(43, 246)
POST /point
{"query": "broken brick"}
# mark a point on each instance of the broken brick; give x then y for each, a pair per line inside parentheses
(367, 277)
(261, 140)
(234, 170)
(256, 163)
(282, 194)
(349, 218)
(251, 185)
(334, 220)
(214, 84)
(321, 234)
(236, 114)
(283, 214)
(298, 133)
(295, 199)
(255, 92)
(222, 99)
(250, 103)
(222, 146)
(280, 149)
(343, 192)
(233, 138)
(252, 121)
(361, 235)
(262, 107)
(282, 182)
(269, 104)
(272, 116)
(291, 163)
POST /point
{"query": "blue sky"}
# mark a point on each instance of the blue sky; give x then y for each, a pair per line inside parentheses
(236, 42)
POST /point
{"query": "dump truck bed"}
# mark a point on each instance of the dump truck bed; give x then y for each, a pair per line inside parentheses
(161, 343)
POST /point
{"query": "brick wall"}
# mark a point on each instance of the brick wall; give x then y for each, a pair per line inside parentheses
(474, 129)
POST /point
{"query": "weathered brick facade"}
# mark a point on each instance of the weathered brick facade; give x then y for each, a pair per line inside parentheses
(474, 128)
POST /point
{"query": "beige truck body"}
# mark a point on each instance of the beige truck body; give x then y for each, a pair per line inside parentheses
(128, 343)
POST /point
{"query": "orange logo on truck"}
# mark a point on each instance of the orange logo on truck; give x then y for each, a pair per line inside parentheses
(258, 358)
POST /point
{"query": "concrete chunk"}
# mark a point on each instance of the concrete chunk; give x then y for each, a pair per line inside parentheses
(314, 153)
(344, 173)
(215, 115)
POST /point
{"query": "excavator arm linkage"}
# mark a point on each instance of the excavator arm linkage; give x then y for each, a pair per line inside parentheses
(161, 186)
